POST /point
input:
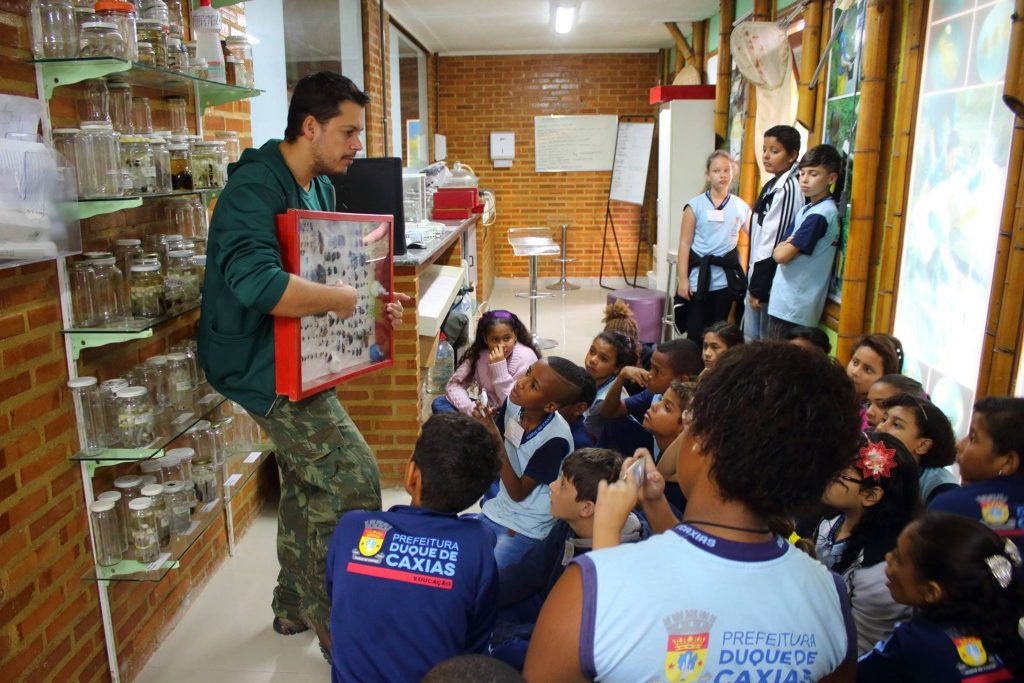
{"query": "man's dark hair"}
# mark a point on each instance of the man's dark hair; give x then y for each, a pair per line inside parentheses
(684, 358)
(812, 334)
(458, 460)
(472, 669)
(788, 137)
(586, 467)
(571, 373)
(801, 425)
(320, 95)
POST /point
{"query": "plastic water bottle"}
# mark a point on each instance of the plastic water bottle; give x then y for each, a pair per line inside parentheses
(444, 367)
(206, 32)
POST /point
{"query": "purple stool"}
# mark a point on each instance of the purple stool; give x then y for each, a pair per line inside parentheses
(648, 306)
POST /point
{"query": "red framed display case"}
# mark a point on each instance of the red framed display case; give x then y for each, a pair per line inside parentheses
(317, 352)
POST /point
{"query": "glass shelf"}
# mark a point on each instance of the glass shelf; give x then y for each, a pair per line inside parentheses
(240, 467)
(127, 330)
(87, 207)
(58, 72)
(207, 400)
(131, 570)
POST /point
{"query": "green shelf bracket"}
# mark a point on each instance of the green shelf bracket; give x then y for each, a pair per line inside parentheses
(67, 72)
(88, 209)
(87, 340)
(212, 95)
(127, 567)
(126, 455)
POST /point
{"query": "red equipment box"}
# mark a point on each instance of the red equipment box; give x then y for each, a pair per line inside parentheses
(667, 93)
(456, 198)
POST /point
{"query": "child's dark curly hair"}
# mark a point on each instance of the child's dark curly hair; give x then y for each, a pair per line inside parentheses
(458, 460)
(487, 321)
(801, 424)
(627, 348)
(618, 317)
(1004, 420)
(951, 551)
(932, 424)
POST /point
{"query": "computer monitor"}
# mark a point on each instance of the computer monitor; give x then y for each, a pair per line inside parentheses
(374, 186)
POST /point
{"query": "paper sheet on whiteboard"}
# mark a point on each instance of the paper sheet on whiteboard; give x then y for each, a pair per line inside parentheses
(574, 143)
(632, 156)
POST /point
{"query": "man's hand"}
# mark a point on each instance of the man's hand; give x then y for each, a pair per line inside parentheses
(345, 300)
(396, 310)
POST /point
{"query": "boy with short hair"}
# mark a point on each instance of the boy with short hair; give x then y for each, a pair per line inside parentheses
(416, 585)
(808, 248)
(535, 439)
(528, 582)
(575, 412)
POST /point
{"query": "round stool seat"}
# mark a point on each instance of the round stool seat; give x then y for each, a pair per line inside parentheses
(648, 306)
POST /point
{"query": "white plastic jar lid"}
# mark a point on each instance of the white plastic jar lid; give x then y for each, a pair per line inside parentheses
(131, 392)
(82, 382)
(128, 243)
(157, 360)
(174, 487)
(128, 481)
(152, 490)
(181, 453)
(109, 495)
(177, 357)
(149, 466)
(140, 503)
(102, 505)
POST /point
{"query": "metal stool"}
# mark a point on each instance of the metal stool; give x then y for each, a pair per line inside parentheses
(668, 322)
(563, 285)
(534, 242)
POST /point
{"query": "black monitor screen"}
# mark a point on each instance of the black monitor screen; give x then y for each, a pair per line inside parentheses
(374, 186)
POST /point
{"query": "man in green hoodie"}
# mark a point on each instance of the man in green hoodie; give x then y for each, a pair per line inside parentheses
(326, 466)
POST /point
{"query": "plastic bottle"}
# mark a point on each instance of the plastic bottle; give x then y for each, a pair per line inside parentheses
(444, 367)
(206, 32)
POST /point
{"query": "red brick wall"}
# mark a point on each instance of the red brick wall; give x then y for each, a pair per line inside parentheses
(488, 93)
(49, 617)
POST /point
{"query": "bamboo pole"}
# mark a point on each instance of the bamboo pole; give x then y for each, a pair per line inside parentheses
(680, 61)
(1013, 88)
(723, 84)
(809, 56)
(749, 173)
(1002, 328)
(680, 41)
(899, 172)
(865, 169)
(700, 48)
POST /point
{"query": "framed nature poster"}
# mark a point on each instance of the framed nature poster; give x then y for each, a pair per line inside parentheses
(319, 351)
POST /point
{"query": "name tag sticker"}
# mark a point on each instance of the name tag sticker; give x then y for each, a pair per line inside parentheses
(716, 215)
(514, 433)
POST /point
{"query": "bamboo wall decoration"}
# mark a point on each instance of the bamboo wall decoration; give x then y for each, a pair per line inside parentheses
(899, 165)
(1002, 327)
(878, 19)
(723, 83)
(809, 55)
(1013, 88)
(700, 48)
(749, 171)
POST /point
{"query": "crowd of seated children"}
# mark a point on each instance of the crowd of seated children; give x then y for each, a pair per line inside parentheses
(873, 356)
(608, 354)
(876, 496)
(419, 568)
(674, 359)
(884, 388)
(720, 571)
(926, 432)
(527, 583)
(501, 352)
(666, 421)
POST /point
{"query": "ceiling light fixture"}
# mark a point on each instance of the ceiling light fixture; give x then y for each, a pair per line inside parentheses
(564, 17)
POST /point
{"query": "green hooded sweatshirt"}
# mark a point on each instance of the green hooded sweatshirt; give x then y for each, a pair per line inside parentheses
(244, 276)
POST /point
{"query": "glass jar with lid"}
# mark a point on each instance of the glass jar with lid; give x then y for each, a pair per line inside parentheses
(108, 396)
(162, 163)
(98, 159)
(199, 261)
(241, 49)
(127, 251)
(121, 106)
(182, 281)
(129, 486)
(179, 114)
(122, 514)
(201, 440)
(54, 34)
(83, 15)
(209, 170)
(177, 504)
(204, 474)
(154, 32)
(155, 492)
(190, 493)
(94, 103)
(177, 57)
(147, 55)
(232, 146)
(137, 159)
(181, 167)
(188, 347)
(179, 382)
(88, 414)
(122, 14)
(135, 417)
(143, 530)
(175, 19)
(147, 290)
(155, 10)
(153, 468)
(101, 39)
(106, 532)
(83, 294)
(142, 116)
(64, 144)
(182, 463)
(160, 361)
(108, 293)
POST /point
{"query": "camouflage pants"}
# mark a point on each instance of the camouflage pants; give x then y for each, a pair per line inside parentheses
(326, 470)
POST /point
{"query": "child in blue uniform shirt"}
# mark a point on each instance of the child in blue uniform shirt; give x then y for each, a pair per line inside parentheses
(575, 413)
(989, 458)
(967, 587)
(416, 585)
(808, 248)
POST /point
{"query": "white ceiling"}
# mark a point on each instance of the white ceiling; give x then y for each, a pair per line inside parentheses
(452, 27)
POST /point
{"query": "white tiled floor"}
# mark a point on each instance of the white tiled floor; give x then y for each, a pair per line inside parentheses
(225, 636)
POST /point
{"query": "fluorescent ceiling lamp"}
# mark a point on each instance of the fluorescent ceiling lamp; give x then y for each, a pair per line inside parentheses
(564, 17)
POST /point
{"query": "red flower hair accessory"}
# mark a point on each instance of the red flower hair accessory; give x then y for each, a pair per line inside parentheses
(876, 460)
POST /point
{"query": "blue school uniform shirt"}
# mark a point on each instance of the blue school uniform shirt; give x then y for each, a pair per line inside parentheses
(539, 456)
(596, 423)
(800, 287)
(732, 612)
(716, 238)
(580, 437)
(409, 588)
(921, 651)
(997, 503)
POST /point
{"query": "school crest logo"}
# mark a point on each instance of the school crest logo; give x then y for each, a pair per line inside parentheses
(688, 635)
(994, 510)
(371, 542)
(971, 651)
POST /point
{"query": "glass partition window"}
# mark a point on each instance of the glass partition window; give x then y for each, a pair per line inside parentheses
(957, 182)
(408, 70)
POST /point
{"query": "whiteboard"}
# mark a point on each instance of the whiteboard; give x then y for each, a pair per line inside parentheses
(632, 154)
(574, 143)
